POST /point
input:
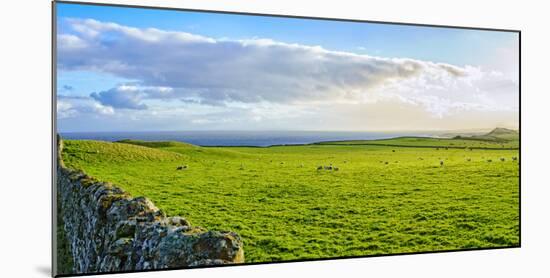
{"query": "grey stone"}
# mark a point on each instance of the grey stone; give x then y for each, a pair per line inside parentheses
(108, 230)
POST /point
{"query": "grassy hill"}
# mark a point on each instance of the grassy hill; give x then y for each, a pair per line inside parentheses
(382, 200)
(499, 135)
(89, 151)
(157, 144)
(496, 139)
(188, 149)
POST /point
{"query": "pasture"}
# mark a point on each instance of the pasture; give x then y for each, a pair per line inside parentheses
(382, 200)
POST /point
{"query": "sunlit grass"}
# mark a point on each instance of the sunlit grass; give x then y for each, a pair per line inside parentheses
(381, 200)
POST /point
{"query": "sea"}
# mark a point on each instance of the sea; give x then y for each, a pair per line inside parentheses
(240, 138)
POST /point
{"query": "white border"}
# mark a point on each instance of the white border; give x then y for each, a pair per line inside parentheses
(26, 158)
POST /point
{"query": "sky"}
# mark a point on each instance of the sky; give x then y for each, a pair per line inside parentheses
(135, 69)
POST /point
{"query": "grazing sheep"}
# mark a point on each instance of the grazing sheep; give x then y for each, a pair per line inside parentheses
(392, 151)
(514, 158)
(336, 168)
(385, 162)
(319, 168)
(441, 163)
(489, 160)
(183, 167)
(468, 159)
(328, 167)
(502, 159)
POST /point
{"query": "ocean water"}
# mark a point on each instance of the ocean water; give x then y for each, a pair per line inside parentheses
(237, 138)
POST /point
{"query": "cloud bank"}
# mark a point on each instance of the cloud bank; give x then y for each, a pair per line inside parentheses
(196, 70)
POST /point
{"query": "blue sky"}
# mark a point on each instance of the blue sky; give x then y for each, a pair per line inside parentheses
(490, 54)
(454, 46)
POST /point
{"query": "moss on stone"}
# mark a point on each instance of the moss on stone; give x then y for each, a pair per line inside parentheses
(134, 235)
(87, 181)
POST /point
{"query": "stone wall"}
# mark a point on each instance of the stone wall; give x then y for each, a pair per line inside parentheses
(108, 230)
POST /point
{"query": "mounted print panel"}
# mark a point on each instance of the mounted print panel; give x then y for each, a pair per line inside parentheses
(192, 138)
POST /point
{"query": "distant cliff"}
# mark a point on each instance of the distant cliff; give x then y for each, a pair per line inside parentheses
(107, 230)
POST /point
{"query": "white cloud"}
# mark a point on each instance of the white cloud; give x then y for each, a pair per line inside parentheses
(70, 42)
(65, 109)
(249, 71)
(261, 79)
(72, 107)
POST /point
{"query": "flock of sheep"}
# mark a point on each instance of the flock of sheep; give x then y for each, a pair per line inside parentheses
(331, 167)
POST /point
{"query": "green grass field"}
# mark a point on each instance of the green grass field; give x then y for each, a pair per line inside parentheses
(433, 142)
(382, 200)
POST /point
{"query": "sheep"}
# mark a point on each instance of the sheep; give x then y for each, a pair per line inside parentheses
(385, 162)
(514, 158)
(183, 167)
(441, 163)
(392, 151)
(329, 168)
(489, 160)
(502, 159)
(468, 159)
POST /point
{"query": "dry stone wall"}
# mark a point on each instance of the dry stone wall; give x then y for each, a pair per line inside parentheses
(110, 231)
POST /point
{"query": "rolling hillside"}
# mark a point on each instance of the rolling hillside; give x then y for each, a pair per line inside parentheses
(380, 200)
